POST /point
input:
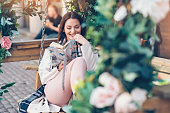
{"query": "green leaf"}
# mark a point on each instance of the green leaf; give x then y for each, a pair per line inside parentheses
(3, 87)
(132, 66)
(112, 32)
(1, 92)
(134, 42)
(8, 22)
(1, 71)
(128, 26)
(8, 53)
(81, 106)
(67, 109)
(3, 21)
(155, 36)
(130, 77)
(140, 27)
(15, 32)
(10, 84)
(105, 7)
(5, 91)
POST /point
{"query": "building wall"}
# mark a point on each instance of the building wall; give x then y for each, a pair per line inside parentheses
(163, 31)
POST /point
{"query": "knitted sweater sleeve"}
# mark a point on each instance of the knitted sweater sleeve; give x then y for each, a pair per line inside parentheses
(89, 56)
(45, 70)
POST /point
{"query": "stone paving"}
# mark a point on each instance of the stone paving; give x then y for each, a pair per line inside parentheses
(13, 72)
(25, 85)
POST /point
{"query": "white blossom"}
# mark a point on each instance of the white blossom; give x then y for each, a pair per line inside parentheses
(120, 13)
(100, 97)
(124, 104)
(110, 82)
(139, 95)
(156, 9)
(105, 96)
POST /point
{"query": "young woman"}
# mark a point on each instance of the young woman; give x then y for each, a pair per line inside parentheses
(71, 27)
(50, 97)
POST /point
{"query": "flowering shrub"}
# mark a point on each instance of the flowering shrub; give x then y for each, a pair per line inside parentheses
(9, 25)
(6, 42)
(8, 21)
(105, 96)
(155, 9)
(119, 29)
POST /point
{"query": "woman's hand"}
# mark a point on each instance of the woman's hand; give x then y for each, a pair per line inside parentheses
(80, 39)
(60, 67)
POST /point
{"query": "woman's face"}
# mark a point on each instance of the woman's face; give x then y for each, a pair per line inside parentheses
(71, 28)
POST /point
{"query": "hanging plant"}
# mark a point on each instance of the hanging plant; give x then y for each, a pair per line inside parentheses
(124, 75)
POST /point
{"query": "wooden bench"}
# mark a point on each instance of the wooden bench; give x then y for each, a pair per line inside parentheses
(163, 67)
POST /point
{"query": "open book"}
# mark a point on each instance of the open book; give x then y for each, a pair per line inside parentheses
(59, 53)
(57, 45)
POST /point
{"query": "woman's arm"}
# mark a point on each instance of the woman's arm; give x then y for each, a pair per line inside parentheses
(89, 56)
(45, 70)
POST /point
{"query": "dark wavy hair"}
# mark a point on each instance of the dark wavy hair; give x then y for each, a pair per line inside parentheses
(73, 15)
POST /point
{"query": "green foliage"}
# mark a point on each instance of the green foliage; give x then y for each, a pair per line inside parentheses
(105, 7)
(87, 10)
(121, 53)
(8, 18)
(9, 25)
(4, 88)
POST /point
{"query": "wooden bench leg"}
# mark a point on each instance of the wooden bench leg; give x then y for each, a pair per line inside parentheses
(38, 82)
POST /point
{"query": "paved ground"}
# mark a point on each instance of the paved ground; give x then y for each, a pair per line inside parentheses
(25, 85)
(13, 72)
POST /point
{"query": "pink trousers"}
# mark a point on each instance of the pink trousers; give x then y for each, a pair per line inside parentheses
(53, 90)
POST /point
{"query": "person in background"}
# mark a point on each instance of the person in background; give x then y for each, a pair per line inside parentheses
(52, 23)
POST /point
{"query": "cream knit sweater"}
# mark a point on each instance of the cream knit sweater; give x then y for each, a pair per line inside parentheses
(46, 73)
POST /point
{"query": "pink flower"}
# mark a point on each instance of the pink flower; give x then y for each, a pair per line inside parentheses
(156, 9)
(139, 95)
(111, 83)
(100, 97)
(124, 104)
(6, 42)
(105, 96)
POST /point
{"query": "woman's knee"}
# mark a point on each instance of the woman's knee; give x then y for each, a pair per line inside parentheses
(81, 60)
